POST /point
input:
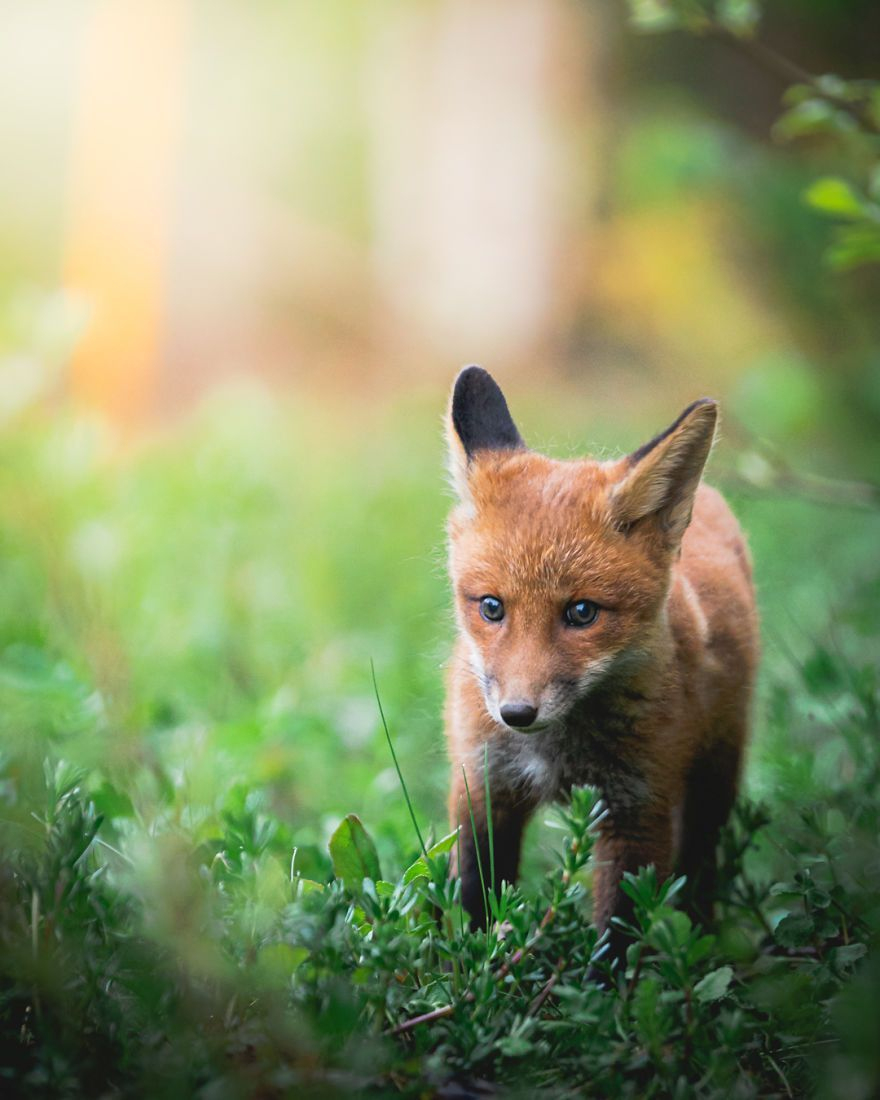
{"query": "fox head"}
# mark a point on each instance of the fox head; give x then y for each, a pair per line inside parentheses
(561, 569)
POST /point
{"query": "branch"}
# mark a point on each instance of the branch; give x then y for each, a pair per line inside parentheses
(427, 1017)
(548, 987)
(790, 72)
(777, 475)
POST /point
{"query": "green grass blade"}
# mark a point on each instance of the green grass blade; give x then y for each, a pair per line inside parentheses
(397, 765)
(489, 819)
(476, 846)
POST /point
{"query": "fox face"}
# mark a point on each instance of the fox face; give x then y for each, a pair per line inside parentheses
(561, 569)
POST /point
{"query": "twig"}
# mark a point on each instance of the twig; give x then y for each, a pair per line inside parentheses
(790, 72)
(521, 952)
(427, 1017)
(637, 970)
(779, 476)
(819, 490)
(689, 1026)
(779, 1072)
(548, 987)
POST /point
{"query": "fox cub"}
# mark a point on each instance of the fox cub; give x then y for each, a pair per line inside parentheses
(607, 635)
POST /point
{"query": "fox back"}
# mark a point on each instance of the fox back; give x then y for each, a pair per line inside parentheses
(607, 634)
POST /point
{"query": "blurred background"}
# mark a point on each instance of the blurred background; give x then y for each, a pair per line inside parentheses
(244, 248)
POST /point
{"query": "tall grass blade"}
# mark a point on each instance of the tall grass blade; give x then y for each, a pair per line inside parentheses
(489, 819)
(476, 847)
(397, 765)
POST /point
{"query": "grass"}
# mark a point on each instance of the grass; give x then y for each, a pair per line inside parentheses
(191, 639)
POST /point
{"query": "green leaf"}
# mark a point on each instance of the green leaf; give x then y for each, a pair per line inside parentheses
(714, 985)
(821, 673)
(812, 116)
(818, 898)
(515, 1046)
(420, 869)
(834, 196)
(307, 886)
(699, 949)
(353, 853)
(281, 958)
(646, 1012)
(112, 802)
(832, 85)
(740, 17)
(797, 93)
(845, 957)
(794, 930)
(855, 245)
(652, 16)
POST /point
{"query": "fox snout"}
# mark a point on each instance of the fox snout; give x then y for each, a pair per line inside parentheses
(527, 708)
(512, 705)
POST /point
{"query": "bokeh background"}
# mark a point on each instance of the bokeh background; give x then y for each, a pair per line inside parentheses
(244, 248)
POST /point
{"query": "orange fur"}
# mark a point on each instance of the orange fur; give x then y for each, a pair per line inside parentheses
(651, 702)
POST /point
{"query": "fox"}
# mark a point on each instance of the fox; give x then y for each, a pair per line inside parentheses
(607, 634)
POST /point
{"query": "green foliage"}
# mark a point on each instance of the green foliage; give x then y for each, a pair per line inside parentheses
(843, 113)
(166, 960)
(365, 986)
(187, 715)
(739, 17)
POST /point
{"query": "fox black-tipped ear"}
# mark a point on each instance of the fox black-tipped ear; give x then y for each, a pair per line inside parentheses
(660, 479)
(479, 420)
(480, 415)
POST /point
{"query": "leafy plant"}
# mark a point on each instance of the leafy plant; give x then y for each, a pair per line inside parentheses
(826, 107)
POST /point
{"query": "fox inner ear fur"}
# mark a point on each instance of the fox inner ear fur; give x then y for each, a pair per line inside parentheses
(659, 480)
(479, 420)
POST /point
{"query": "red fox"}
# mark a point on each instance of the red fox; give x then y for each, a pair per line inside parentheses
(607, 634)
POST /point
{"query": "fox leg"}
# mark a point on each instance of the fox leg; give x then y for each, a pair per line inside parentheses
(625, 844)
(711, 792)
(509, 816)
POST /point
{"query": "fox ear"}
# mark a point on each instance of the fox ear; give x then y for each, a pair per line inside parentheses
(660, 479)
(478, 420)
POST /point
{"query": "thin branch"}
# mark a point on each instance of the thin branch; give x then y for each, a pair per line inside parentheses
(777, 475)
(547, 989)
(521, 952)
(426, 1018)
(818, 490)
(790, 72)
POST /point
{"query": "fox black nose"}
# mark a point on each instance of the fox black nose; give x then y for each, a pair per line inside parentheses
(519, 714)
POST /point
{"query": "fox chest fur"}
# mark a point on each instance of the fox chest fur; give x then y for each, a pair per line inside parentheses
(607, 635)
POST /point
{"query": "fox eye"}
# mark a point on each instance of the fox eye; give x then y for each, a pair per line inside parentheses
(492, 609)
(581, 613)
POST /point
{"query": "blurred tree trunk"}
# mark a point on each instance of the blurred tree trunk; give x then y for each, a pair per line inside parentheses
(472, 157)
(127, 111)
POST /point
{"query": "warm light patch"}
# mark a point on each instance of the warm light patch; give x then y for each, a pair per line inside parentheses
(128, 108)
